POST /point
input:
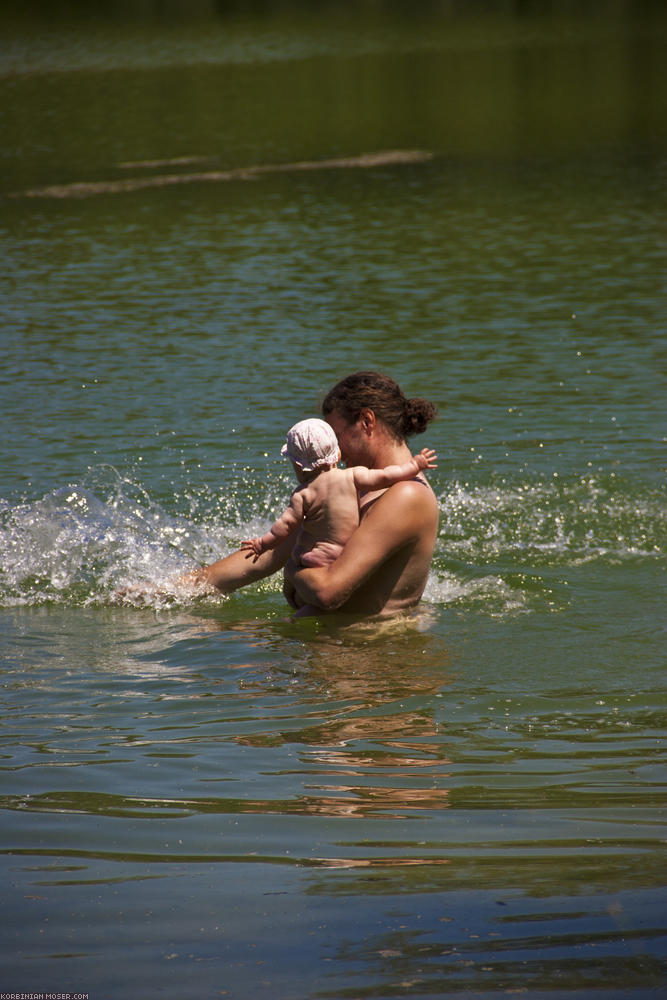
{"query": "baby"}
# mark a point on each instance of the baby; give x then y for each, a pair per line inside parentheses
(325, 505)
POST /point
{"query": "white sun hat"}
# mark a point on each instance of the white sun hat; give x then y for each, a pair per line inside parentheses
(311, 444)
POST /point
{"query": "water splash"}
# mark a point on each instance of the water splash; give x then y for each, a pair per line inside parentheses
(498, 550)
(79, 544)
(553, 523)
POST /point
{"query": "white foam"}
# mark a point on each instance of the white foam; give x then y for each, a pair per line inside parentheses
(81, 543)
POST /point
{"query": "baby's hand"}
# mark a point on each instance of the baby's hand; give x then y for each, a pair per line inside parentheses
(254, 546)
(426, 459)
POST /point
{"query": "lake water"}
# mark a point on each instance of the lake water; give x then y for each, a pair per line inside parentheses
(204, 799)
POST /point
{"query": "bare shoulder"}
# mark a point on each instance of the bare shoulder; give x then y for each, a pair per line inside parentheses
(414, 488)
(409, 501)
(416, 495)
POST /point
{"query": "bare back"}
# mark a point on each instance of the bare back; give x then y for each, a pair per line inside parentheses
(331, 508)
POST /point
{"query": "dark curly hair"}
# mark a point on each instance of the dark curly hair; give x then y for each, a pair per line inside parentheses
(381, 394)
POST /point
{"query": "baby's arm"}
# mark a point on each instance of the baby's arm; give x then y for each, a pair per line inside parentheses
(281, 529)
(378, 479)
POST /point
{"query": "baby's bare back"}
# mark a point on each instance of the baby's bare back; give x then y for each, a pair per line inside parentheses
(331, 506)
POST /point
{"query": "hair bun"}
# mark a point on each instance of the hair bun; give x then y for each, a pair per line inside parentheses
(418, 414)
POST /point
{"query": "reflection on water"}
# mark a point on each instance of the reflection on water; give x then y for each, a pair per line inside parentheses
(87, 189)
(310, 83)
(442, 831)
(462, 957)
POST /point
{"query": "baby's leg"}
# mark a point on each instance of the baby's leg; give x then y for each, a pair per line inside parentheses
(322, 554)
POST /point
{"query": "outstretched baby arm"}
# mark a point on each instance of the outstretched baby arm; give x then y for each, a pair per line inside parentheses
(379, 479)
(288, 521)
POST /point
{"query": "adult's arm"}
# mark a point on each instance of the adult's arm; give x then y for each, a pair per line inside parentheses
(398, 518)
(239, 568)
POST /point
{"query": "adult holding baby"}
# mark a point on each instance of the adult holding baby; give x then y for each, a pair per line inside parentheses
(384, 566)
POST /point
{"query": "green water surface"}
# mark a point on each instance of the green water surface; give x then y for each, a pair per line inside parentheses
(204, 799)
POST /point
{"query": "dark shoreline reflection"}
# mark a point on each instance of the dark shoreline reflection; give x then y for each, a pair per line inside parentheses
(269, 88)
(166, 9)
